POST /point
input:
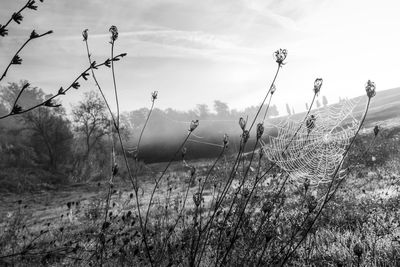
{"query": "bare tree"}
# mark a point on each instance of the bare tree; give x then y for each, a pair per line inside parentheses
(221, 108)
(51, 135)
(90, 117)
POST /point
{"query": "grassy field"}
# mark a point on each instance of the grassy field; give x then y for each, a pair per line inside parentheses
(360, 226)
(48, 221)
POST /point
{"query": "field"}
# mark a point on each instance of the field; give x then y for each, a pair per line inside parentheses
(358, 227)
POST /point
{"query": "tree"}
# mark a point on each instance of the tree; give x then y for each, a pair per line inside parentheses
(203, 111)
(324, 101)
(8, 94)
(90, 117)
(221, 108)
(134, 119)
(51, 136)
(288, 109)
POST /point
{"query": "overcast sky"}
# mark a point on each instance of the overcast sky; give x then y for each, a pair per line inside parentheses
(198, 51)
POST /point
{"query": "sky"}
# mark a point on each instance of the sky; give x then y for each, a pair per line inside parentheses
(195, 52)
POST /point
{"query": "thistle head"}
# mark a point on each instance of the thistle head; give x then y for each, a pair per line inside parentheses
(272, 89)
(197, 199)
(154, 96)
(245, 136)
(242, 123)
(85, 35)
(280, 56)
(370, 89)
(114, 33)
(193, 125)
(260, 130)
(317, 85)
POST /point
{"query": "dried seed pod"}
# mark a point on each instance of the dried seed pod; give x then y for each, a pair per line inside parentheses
(280, 56)
(370, 89)
(317, 85)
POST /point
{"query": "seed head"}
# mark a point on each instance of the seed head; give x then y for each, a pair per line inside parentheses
(154, 96)
(49, 103)
(242, 123)
(61, 91)
(17, 17)
(280, 56)
(34, 35)
(197, 199)
(3, 31)
(370, 89)
(16, 60)
(16, 109)
(75, 85)
(193, 125)
(317, 85)
(85, 35)
(273, 89)
(260, 130)
(31, 5)
(114, 33)
(245, 136)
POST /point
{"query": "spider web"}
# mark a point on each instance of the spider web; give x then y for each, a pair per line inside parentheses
(315, 152)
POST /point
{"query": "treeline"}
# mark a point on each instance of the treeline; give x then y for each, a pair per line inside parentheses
(78, 144)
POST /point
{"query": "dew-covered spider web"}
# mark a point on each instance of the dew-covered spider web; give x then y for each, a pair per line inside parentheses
(317, 149)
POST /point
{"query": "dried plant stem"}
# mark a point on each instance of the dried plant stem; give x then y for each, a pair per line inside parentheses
(114, 82)
(328, 197)
(18, 12)
(58, 94)
(134, 183)
(19, 50)
(265, 98)
(158, 180)
(97, 83)
(218, 202)
(257, 180)
(201, 193)
(139, 142)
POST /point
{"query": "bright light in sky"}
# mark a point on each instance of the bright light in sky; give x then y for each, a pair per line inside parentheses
(195, 52)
